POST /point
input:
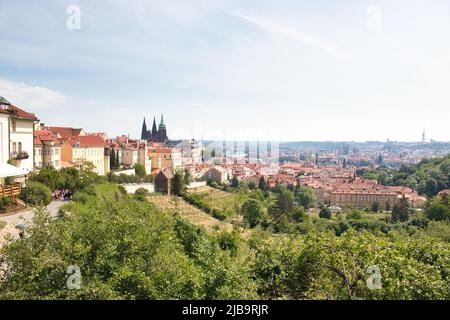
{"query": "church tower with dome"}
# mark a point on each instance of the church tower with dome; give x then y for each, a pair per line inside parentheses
(155, 134)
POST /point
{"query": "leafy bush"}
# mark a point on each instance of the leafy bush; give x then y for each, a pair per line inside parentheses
(218, 214)
(355, 215)
(325, 213)
(229, 241)
(139, 170)
(122, 190)
(36, 193)
(4, 203)
(141, 191)
(81, 197)
(299, 215)
(369, 225)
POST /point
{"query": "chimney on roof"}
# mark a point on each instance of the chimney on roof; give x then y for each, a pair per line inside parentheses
(42, 125)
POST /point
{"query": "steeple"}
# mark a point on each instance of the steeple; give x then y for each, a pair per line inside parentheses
(154, 130)
(144, 131)
(162, 124)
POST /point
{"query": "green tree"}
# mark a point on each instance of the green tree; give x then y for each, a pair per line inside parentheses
(112, 159)
(252, 212)
(262, 185)
(235, 182)
(284, 204)
(36, 193)
(401, 211)
(187, 176)
(375, 207)
(178, 186)
(331, 267)
(306, 197)
(117, 161)
(50, 177)
(438, 210)
(139, 170)
(325, 213)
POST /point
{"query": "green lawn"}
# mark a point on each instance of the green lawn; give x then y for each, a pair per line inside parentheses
(106, 189)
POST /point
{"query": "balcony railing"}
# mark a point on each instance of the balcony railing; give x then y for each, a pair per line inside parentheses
(20, 155)
(10, 191)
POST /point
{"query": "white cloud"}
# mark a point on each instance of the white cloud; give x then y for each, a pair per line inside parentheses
(296, 35)
(30, 97)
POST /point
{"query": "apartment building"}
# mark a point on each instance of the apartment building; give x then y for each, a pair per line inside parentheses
(17, 127)
(47, 150)
(164, 157)
(77, 145)
(91, 148)
(363, 198)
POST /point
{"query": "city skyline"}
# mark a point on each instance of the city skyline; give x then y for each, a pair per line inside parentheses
(291, 72)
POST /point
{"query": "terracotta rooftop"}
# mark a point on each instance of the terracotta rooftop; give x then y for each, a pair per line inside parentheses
(17, 112)
(88, 141)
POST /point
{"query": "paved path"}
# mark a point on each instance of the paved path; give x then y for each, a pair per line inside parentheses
(24, 217)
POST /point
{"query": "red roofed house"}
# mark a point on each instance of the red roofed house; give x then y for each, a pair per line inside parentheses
(47, 150)
(78, 145)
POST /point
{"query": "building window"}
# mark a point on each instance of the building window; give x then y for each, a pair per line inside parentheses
(14, 147)
(13, 125)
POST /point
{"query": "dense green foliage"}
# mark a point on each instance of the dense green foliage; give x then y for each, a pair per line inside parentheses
(4, 203)
(139, 170)
(73, 179)
(252, 212)
(36, 194)
(325, 213)
(306, 197)
(125, 249)
(428, 177)
(128, 249)
(438, 209)
(125, 178)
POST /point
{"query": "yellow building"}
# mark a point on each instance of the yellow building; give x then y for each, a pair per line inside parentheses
(76, 145)
(91, 148)
(163, 157)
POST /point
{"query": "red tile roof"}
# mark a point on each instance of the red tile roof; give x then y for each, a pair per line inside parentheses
(65, 132)
(19, 113)
(42, 135)
(88, 141)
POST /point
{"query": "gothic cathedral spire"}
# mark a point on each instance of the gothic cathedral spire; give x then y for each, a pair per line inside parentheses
(154, 129)
(144, 131)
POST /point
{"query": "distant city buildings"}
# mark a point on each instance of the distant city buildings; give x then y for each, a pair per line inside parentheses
(330, 168)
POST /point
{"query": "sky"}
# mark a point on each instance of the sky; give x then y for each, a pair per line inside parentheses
(287, 70)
